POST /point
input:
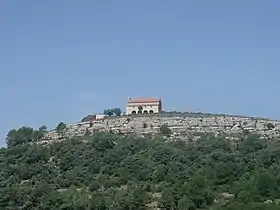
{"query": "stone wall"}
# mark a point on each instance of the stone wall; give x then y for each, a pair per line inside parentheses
(179, 124)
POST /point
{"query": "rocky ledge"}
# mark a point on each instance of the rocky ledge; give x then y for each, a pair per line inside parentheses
(180, 125)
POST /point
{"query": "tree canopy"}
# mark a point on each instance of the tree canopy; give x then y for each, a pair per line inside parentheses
(61, 129)
(113, 111)
(108, 171)
(24, 135)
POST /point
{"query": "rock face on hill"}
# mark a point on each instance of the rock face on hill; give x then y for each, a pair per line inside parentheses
(191, 125)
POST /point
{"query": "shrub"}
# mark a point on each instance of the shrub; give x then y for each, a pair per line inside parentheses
(165, 130)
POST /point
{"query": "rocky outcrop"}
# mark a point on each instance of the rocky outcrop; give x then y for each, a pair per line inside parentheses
(181, 125)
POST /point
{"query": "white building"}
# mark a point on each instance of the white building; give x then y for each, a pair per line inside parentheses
(143, 105)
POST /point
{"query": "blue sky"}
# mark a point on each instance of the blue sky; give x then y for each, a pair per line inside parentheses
(61, 60)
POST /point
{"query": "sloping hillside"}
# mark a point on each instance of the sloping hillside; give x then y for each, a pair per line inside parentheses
(107, 171)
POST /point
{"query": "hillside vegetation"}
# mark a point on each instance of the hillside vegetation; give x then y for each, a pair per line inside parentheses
(107, 171)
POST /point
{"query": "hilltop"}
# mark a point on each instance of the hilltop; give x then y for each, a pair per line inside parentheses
(182, 125)
(148, 162)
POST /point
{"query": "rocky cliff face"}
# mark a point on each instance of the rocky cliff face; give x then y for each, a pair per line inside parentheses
(191, 125)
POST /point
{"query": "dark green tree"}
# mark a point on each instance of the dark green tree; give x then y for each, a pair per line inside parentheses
(61, 129)
(112, 111)
(165, 130)
(117, 111)
(270, 126)
(108, 112)
(23, 135)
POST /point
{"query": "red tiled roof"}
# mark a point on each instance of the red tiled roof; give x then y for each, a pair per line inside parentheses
(143, 100)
